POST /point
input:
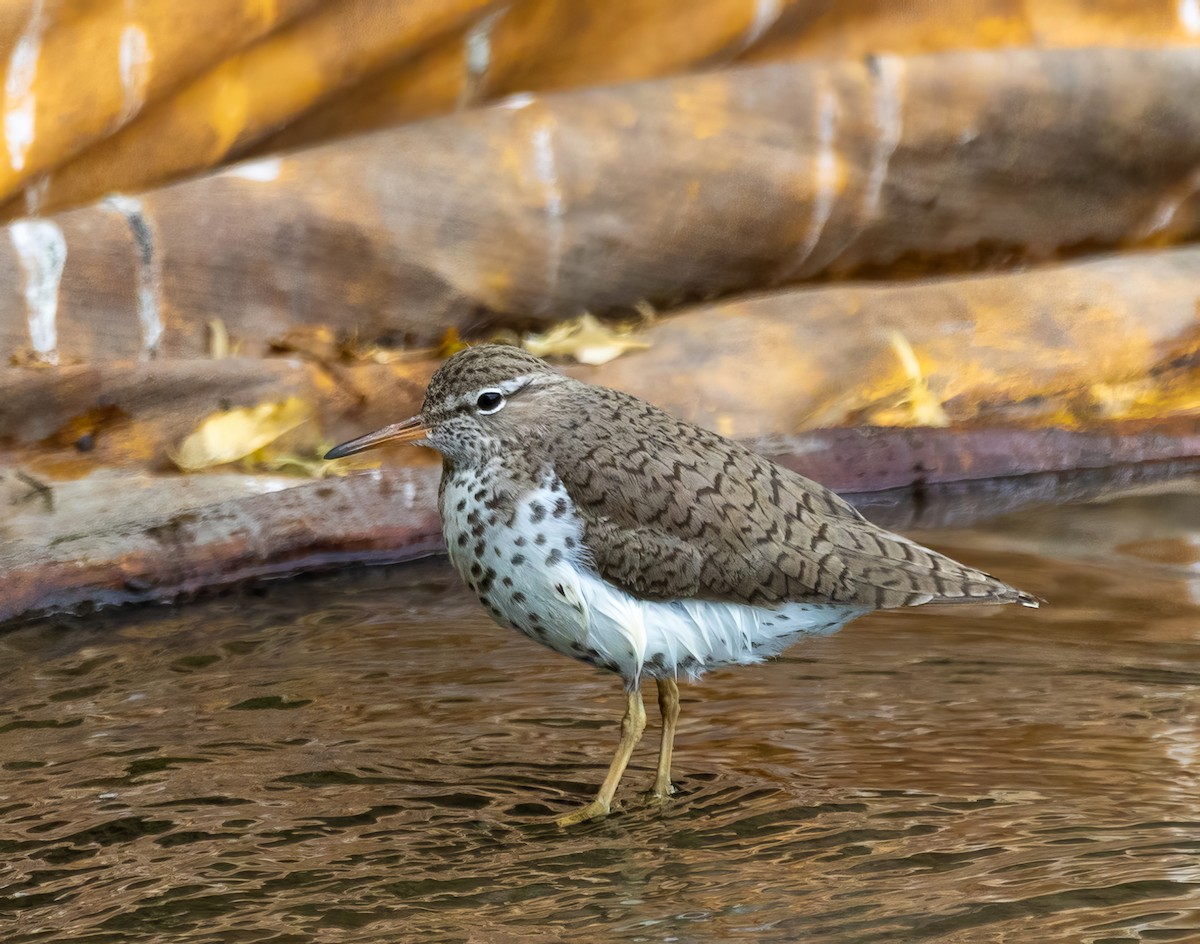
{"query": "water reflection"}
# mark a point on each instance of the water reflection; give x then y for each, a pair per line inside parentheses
(369, 760)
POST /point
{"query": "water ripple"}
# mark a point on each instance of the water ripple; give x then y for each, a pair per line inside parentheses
(368, 760)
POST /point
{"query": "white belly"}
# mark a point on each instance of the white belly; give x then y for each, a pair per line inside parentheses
(533, 575)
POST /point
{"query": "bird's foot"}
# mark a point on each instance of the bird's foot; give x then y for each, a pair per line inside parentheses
(660, 794)
(597, 809)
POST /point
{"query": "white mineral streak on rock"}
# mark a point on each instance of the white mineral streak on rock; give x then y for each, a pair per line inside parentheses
(265, 485)
(20, 102)
(766, 12)
(888, 72)
(35, 194)
(149, 270)
(1189, 16)
(479, 51)
(133, 60)
(42, 251)
(825, 183)
(261, 171)
(517, 102)
(887, 94)
(546, 170)
(1165, 212)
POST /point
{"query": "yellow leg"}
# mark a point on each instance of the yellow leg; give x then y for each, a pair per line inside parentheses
(632, 726)
(668, 706)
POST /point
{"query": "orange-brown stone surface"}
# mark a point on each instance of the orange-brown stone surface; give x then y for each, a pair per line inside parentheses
(969, 216)
(674, 190)
(123, 95)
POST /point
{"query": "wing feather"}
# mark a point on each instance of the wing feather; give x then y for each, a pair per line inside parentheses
(673, 511)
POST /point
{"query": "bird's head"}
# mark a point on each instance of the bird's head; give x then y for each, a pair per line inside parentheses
(480, 398)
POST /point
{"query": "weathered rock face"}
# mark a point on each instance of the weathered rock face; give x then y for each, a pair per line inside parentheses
(1072, 343)
(118, 538)
(1080, 343)
(133, 539)
(680, 189)
(107, 95)
(710, 159)
(78, 71)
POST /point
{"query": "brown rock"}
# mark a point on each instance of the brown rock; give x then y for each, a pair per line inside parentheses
(221, 78)
(861, 27)
(135, 413)
(1076, 342)
(1002, 348)
(234, 103)
(111, 539)
(671, 190)
(91, 67)
(547, 45)
(142, 539)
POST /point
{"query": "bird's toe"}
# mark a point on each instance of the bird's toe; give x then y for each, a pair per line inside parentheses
(597, 809)
(660, 795)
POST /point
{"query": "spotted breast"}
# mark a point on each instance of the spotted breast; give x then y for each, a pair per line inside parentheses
(518, 543)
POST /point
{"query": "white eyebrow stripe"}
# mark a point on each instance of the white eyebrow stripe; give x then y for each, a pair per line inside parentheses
(509, 387)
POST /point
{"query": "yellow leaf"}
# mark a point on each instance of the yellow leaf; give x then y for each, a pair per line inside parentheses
(585, 339)
(920, 407)
(313, 467)
(218, 340)
(235, 434)
(451, 344)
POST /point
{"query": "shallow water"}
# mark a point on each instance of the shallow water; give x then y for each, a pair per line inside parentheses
(368, 758)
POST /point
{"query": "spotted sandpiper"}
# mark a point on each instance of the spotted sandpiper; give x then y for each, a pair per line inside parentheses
(614, 533)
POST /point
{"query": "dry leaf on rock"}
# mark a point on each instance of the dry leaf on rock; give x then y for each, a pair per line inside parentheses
(317, 342)
(232, 435)
(920, 406)
(451, 344)
(308, 465)
(1147, 397)
(901, 398)
(585, 339)
(218, 340)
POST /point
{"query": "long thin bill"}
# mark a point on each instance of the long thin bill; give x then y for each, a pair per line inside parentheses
(412, 430)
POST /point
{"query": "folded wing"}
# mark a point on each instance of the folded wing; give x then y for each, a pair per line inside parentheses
(685, 514)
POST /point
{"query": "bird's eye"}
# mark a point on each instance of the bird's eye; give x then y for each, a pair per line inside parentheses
(490, 401)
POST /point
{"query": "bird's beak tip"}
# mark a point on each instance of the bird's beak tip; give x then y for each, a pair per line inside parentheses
(410, 431)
